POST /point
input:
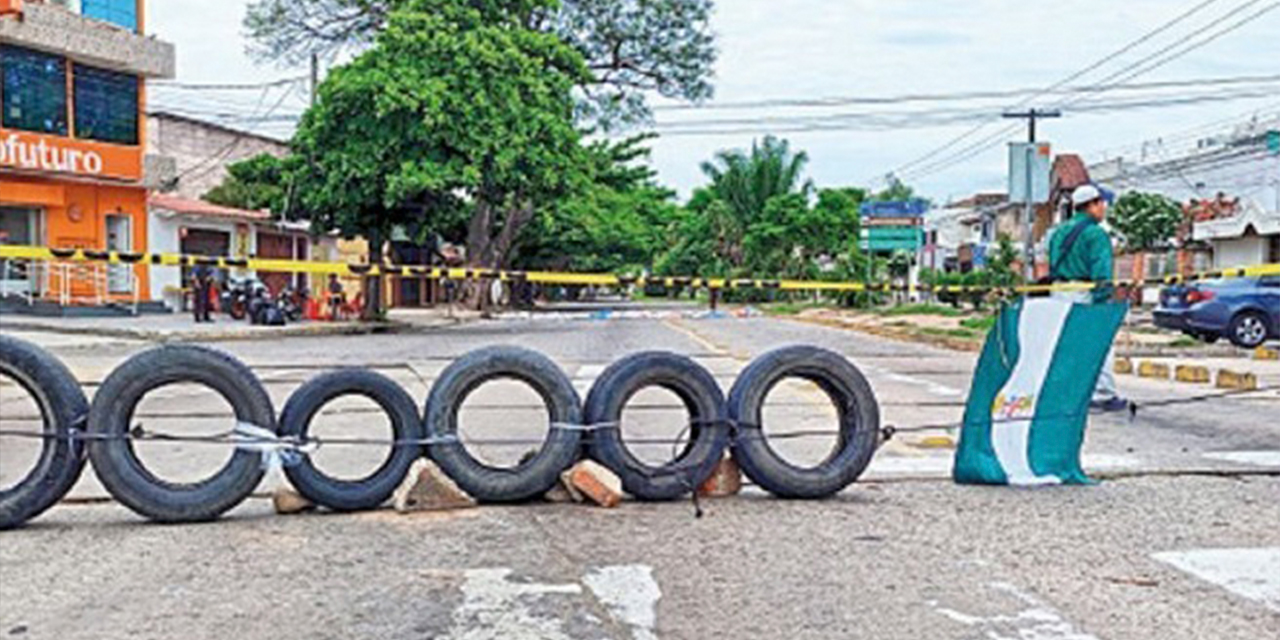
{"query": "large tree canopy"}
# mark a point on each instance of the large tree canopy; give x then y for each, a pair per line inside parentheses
(631, 47)
(459, 107)
(1146, 220)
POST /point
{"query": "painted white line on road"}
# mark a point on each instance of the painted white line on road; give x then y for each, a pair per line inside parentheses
(1251, 573)
(494, 607)
(929, 385)
(1258, 458)
(631, 595)
(941, 465)
(1038, 621)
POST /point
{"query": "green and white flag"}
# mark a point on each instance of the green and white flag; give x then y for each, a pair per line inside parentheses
(1029, 403)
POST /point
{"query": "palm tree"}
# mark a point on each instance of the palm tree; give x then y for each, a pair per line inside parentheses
(746, 182)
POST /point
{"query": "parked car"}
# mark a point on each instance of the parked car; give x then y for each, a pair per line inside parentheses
(1245, 311)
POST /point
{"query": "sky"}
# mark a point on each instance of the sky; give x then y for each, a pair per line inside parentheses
(809, 49)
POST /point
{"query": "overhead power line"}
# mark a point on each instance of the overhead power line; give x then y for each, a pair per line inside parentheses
(1179, 19)
(973, 150)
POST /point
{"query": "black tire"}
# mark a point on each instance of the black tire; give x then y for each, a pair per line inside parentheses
(116, 462)
(859, 422)
(1248, 330)
(63, 409)
(369, 492)
(538, 473)
(703, 399)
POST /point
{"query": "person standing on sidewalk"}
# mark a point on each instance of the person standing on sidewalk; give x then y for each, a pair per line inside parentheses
(201, 285)
(1080, 251)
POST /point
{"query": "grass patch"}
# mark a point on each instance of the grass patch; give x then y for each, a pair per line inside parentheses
(983, 324)
(922, 310)
(965, 334)
(1185, 342)
(792, 308)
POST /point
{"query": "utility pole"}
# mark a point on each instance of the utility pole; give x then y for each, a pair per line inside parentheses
(315, 76)
(1029, 213)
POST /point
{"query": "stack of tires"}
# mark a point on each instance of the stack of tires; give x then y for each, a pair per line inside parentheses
(75, 430)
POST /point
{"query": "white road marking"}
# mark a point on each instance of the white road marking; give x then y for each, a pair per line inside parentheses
(631, 595)
(941, 465)
(1258, 458)
(929, 385)
(1251, 573)
(496, 608)
(1038, 621)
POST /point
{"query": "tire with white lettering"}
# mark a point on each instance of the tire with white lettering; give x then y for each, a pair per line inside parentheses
(858, 428)
(62, 408)
(123, 473)
(373, 490)
(538, 472)
(703, 400)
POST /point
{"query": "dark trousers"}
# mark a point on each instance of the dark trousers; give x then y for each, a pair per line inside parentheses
(200, 301)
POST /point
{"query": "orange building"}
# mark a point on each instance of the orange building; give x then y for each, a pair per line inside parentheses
(72, 140)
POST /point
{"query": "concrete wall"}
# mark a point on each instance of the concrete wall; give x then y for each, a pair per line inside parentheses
(201, 151)
(1240, 252)
(56, 30)
(164, 236)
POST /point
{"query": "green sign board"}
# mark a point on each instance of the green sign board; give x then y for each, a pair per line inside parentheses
(886, 239)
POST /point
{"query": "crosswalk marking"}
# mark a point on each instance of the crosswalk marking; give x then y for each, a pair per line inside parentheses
(1251, 573)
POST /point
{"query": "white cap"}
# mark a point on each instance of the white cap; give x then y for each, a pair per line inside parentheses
(1085, 194)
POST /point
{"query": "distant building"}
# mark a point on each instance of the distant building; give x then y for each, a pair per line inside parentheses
(1241, 233)
(74, 170)
(202, 151)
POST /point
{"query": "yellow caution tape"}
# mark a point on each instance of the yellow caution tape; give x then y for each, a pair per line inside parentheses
(18, 252)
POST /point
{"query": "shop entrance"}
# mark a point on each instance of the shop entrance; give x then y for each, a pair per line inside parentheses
(19, 226)
(120, 239)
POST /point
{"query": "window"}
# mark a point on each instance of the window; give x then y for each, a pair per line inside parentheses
(106, 105)
(123, 13)
(35, 91)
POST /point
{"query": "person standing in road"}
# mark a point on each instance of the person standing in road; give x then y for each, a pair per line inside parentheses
(201, 284)
(1080, 251)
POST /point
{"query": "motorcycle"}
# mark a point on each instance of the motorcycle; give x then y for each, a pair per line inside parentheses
(235, 299)
(293, 302)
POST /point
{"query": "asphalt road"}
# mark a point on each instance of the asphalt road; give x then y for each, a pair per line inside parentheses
(1182, 542)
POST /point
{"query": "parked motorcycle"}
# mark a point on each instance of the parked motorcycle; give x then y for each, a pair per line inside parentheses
(237, 295)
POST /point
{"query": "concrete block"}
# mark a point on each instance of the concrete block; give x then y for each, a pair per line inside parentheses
(1124, 366)
(725, 481)
(1157, 370)
(427, 488)
(288, 502)
(595, 483)
(1265, 353)
(1236, 381)
(1192, 374)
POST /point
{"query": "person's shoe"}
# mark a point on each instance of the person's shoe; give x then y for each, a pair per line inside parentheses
(1110, 405)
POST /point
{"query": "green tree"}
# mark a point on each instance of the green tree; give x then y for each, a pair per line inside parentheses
(1146, 220)
(631, 47)
(460, 108)
(1001, 267)
(254, 184)
(745, 182)
(614, 221)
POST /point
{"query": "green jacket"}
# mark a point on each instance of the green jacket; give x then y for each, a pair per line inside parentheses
(1090, 258)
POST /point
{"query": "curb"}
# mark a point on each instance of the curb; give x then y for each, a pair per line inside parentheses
(219, 336)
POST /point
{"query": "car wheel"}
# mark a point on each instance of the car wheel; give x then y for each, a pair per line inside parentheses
(1248, 330)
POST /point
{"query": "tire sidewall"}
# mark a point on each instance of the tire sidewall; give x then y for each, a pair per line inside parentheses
(123, 473)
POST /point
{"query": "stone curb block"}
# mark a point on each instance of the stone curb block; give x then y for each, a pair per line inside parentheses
(725, 481)
(427, 488)
(1157, 370)
(1124, 366)
(289, 502)
(1192, 374)
(1263, 353)
(594, 482)
(1234, 380)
